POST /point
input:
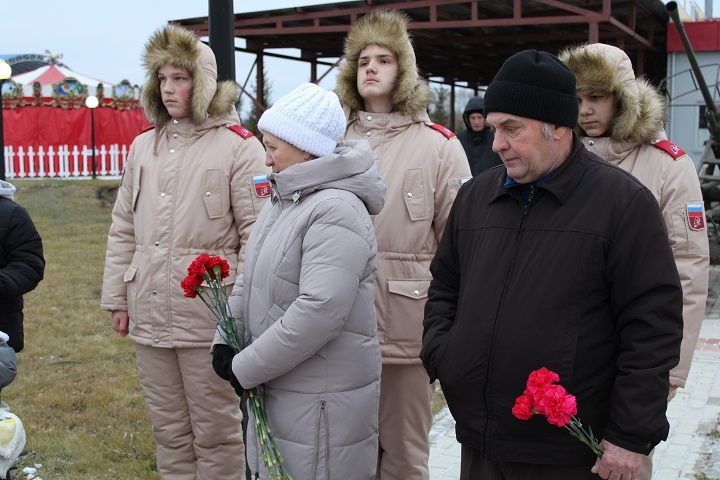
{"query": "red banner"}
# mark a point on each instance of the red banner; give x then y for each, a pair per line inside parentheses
(36, 126)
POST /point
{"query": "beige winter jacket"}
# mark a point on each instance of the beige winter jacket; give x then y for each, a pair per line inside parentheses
(633, 146)
(422, 170)
(187, 189)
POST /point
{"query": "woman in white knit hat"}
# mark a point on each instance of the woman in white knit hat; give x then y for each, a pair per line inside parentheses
(305, 299)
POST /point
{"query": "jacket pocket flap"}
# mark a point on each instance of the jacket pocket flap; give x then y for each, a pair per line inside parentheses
(130, 273)
(409, 288)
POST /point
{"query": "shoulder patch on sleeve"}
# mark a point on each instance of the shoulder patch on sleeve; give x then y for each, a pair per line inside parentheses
(695, 216)
(242, 131)
(670, 148)
(442, 129)
(262, 186)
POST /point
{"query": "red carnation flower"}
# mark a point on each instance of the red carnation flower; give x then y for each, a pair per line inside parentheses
(212, 270)
(557, 405)
(190, 285)
(197, 266)
(523, 408)
(212, 262)
(537, 383)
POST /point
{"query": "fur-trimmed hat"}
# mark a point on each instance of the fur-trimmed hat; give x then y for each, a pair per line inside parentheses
(606, 69)
(181, 48)
(534, 84)
(386, 28)
(309, 117)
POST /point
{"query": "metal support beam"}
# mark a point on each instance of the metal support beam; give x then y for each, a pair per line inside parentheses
(222, 38)
(593, 32)
(260, 82)
(329, 70)
(452, 106)
(313, 70)
(2, 136)
(254, 51)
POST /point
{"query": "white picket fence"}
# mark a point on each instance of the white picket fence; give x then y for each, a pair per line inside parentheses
(64, 161)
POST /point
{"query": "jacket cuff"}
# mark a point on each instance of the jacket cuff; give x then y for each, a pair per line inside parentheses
(218, 340)
(430, 361)
(633, 444)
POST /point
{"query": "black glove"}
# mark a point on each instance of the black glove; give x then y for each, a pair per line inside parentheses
(222, 364)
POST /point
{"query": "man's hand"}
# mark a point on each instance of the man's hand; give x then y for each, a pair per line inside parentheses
(617, 463)
(119, 322)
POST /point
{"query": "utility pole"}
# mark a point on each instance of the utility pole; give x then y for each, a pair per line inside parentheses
(221, 20)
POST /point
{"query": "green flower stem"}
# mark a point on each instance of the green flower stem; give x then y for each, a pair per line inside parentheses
(576, 429)
(217, 303)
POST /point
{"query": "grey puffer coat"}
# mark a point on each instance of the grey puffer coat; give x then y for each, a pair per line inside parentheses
(306, 302)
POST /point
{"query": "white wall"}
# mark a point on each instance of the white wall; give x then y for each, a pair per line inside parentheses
(685, 100)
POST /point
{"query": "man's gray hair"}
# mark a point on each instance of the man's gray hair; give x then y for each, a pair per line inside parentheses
(546, 130)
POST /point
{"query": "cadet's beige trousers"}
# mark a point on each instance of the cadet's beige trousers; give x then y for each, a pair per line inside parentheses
(405, 421)
(195, 415)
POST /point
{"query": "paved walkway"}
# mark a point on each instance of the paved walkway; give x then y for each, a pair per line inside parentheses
(693, 445)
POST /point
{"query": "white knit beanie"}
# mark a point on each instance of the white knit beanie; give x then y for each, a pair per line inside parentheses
(309, 118)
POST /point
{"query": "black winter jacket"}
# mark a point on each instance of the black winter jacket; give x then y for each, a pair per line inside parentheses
(477, 145)
(21, 267)
(582, 282)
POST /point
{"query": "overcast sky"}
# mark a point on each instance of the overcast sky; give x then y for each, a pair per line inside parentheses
(105, 41)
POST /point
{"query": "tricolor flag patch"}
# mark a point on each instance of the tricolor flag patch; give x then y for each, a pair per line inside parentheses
(696, 216)
(262, 185)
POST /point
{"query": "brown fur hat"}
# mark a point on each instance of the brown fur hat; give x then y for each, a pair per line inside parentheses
(607, 69)
(386, 28)
(181, 48)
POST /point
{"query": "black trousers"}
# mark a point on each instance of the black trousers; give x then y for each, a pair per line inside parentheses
(473, 466)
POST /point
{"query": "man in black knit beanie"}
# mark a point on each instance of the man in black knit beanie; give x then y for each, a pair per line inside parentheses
(561, 261)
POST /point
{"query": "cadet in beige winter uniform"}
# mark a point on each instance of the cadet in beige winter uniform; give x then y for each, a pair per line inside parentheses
(187, 189)
(423, 165)
(621, 120)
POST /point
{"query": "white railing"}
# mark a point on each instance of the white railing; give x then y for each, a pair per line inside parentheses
(65, 161)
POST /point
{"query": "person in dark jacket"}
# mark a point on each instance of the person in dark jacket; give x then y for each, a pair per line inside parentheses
(21, 263)
(477, 138)
(558, 260)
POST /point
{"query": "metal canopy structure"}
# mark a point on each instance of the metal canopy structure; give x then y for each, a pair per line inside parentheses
(459, 41)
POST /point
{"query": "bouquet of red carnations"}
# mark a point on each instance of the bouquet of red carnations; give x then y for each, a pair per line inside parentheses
(544, 397)
(205, 280)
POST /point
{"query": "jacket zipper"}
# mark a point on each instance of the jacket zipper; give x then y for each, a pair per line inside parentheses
(319, 425)
(508, 272)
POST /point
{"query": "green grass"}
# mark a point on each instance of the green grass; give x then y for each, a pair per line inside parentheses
(77, 391)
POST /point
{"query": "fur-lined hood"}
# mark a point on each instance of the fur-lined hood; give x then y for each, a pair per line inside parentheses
(181, 48)
(604, 68)
(386, 28)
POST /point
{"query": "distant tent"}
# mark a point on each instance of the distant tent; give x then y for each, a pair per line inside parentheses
(52, 74)
(48, 127)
